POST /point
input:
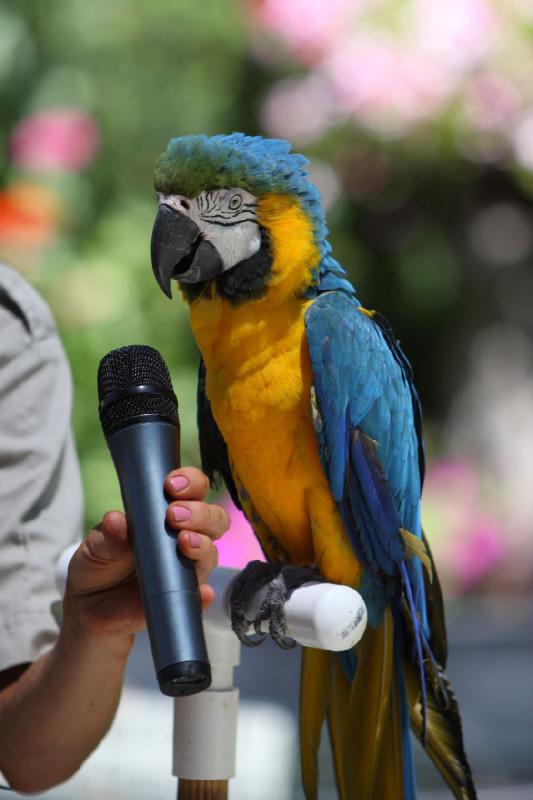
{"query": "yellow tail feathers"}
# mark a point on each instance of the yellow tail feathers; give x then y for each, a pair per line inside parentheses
(363, 719)
(314, 693)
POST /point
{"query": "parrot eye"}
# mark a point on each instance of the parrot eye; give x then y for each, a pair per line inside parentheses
(235, 202)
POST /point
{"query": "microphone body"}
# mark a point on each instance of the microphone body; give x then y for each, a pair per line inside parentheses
(145, 448)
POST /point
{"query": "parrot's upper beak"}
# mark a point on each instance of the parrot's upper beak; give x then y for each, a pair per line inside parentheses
(179, 251)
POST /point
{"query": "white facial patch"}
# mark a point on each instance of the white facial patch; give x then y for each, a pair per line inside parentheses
(226, 218)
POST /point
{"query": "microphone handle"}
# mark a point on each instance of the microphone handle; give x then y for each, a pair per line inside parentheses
(144, 453)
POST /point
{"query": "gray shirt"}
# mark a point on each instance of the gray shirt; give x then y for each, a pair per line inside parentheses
(40, 487)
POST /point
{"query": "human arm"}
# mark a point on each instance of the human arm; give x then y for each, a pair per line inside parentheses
(59, 708)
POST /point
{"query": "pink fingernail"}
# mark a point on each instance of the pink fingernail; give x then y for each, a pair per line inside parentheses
(180, 513)
(194, 539)
(179, 483)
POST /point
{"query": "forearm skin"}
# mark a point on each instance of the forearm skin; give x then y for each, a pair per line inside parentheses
(59, 709)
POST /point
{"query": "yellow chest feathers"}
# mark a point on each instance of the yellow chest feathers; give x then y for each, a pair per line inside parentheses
(258, 373)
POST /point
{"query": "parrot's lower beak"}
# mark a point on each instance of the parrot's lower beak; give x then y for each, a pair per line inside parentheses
(179, 251)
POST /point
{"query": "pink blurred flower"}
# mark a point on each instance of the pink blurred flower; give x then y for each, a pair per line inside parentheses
(59, 138)
(386, 85)
(490, 101)
(239, 545)
(391, 69)
(457, 33)
(309, 27)
(477, 555)
(467, 540)
(299, 110)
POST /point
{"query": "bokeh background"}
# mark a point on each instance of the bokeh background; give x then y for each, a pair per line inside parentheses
(417, 118)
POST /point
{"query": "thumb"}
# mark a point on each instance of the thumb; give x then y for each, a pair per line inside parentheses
(104, 558)
(108, 541)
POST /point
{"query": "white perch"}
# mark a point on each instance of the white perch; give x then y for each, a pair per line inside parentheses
(321, 615)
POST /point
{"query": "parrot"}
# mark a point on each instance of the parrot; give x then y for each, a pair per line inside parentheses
(307, 410)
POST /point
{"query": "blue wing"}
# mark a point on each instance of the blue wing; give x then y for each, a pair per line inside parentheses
(368, 422)
(368, 428)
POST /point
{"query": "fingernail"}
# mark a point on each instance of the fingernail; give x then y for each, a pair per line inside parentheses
(180, 513)
(194, 539)
(179, 483)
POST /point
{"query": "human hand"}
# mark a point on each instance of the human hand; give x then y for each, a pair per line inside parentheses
(102, 596)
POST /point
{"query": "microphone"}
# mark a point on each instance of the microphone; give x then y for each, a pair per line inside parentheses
(139, 415)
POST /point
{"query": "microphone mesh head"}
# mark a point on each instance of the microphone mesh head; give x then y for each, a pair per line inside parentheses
(127, 368)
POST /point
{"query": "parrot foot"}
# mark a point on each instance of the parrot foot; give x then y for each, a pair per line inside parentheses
(281, 581)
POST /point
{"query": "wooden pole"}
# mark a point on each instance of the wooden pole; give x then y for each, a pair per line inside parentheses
(202, 790)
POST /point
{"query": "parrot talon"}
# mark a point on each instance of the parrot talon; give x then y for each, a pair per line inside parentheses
(249, 642)
(281, 581)
(240, 626)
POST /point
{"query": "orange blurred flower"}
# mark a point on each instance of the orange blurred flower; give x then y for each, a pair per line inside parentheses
(29, 214)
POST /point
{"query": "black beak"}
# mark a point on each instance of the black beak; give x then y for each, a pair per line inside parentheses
(179, 251)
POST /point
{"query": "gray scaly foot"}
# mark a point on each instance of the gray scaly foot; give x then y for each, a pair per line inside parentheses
(282, 581)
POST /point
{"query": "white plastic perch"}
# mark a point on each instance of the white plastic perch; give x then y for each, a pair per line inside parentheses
(321, 615)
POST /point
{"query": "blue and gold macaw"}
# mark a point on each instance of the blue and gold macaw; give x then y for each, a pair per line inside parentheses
(308, 410)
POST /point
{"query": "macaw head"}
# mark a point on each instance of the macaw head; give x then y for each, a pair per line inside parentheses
(236, 215)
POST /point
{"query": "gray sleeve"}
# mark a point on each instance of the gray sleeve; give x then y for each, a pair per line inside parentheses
(40, 487)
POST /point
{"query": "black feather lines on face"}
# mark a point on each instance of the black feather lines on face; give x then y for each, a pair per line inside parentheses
(247, 280)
